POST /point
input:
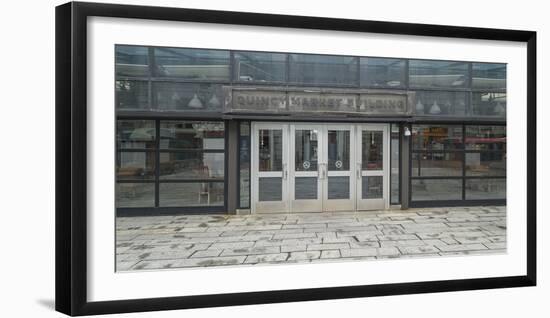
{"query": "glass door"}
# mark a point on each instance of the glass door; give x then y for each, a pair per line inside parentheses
(270, 168)
(306, 141)
(337, 167)
(372, 167)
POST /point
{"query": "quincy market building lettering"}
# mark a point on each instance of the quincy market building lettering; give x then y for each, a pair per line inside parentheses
(367, 103)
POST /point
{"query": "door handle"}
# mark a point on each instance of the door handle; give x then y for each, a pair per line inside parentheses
(324, 170)
(285, 171)
(358, 168)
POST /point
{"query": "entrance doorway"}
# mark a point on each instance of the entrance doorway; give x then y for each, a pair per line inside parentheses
(312, 167)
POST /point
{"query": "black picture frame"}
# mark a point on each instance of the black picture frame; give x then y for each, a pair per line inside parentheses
(71, 157)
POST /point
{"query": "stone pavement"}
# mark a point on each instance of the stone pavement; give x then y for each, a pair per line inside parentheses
(146, 243)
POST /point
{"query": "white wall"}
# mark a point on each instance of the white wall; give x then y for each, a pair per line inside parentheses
(27, 160)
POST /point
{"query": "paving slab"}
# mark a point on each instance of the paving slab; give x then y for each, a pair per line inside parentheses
(181, 241)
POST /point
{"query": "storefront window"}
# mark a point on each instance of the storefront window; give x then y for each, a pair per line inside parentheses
(382, 72)
(488, 76)
(192, 64)
(136, 134)
(259, 67)
(394, 164)
(437, 164)
(438, 74)
(437, 137)
(441, 164)
(483, 137)
(189, 163)
(309, 69)
(132, 61)
(244, 162)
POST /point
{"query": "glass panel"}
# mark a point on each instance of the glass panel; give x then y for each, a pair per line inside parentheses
(372, 187)
(486, 138)
(192, 135)
(489, 104)
(436, 189)
(131, 95)
(373, 155)
(135, 165)
(437, 164)
(135, 134)
(306, 150)
(440, 103)
(338, 188)
(132, 60)
(191, 194)
(394, 173)
(187, 97)
(486, 164)
(135, 195)
(270, 189)
(424, 73)
(437, 137)
(381, 72)
(192, 165)
(323, 69)
(196, 64)
(338, 150)
(485, 189)
(488, 75)
(260, 67)
(270, 150)
(244, 161)
(305, 188)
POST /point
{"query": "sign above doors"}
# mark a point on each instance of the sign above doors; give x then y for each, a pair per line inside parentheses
(288, 101)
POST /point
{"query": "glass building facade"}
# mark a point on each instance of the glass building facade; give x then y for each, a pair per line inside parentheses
(184, 132)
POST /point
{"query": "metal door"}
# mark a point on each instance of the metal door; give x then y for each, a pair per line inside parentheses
(306, 152)
(372, 166)
(270, 144)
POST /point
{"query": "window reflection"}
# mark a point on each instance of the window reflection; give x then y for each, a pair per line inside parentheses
(187, 97)
(489, 104)
(196, 64)
(489, 75)
(338, 150)
(438, 74)
(382, 72)
(244, 161)
(323, 69)
(132, 61)
(270, 150)
(260, 67)
(372, 144)
(136, 134)
(192, 135)
(437, 164)
(437, 137)
(485, 137)
(306, 150)
(132, 95)
(440, 103)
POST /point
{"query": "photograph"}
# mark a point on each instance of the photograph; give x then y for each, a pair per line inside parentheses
(227, 157)
(211, 158)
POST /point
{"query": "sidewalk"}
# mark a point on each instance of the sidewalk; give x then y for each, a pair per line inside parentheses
(145, 243)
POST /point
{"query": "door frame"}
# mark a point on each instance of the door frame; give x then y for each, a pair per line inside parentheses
(288, 203)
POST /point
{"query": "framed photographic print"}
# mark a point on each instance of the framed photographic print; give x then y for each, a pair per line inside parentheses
(211, 158)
